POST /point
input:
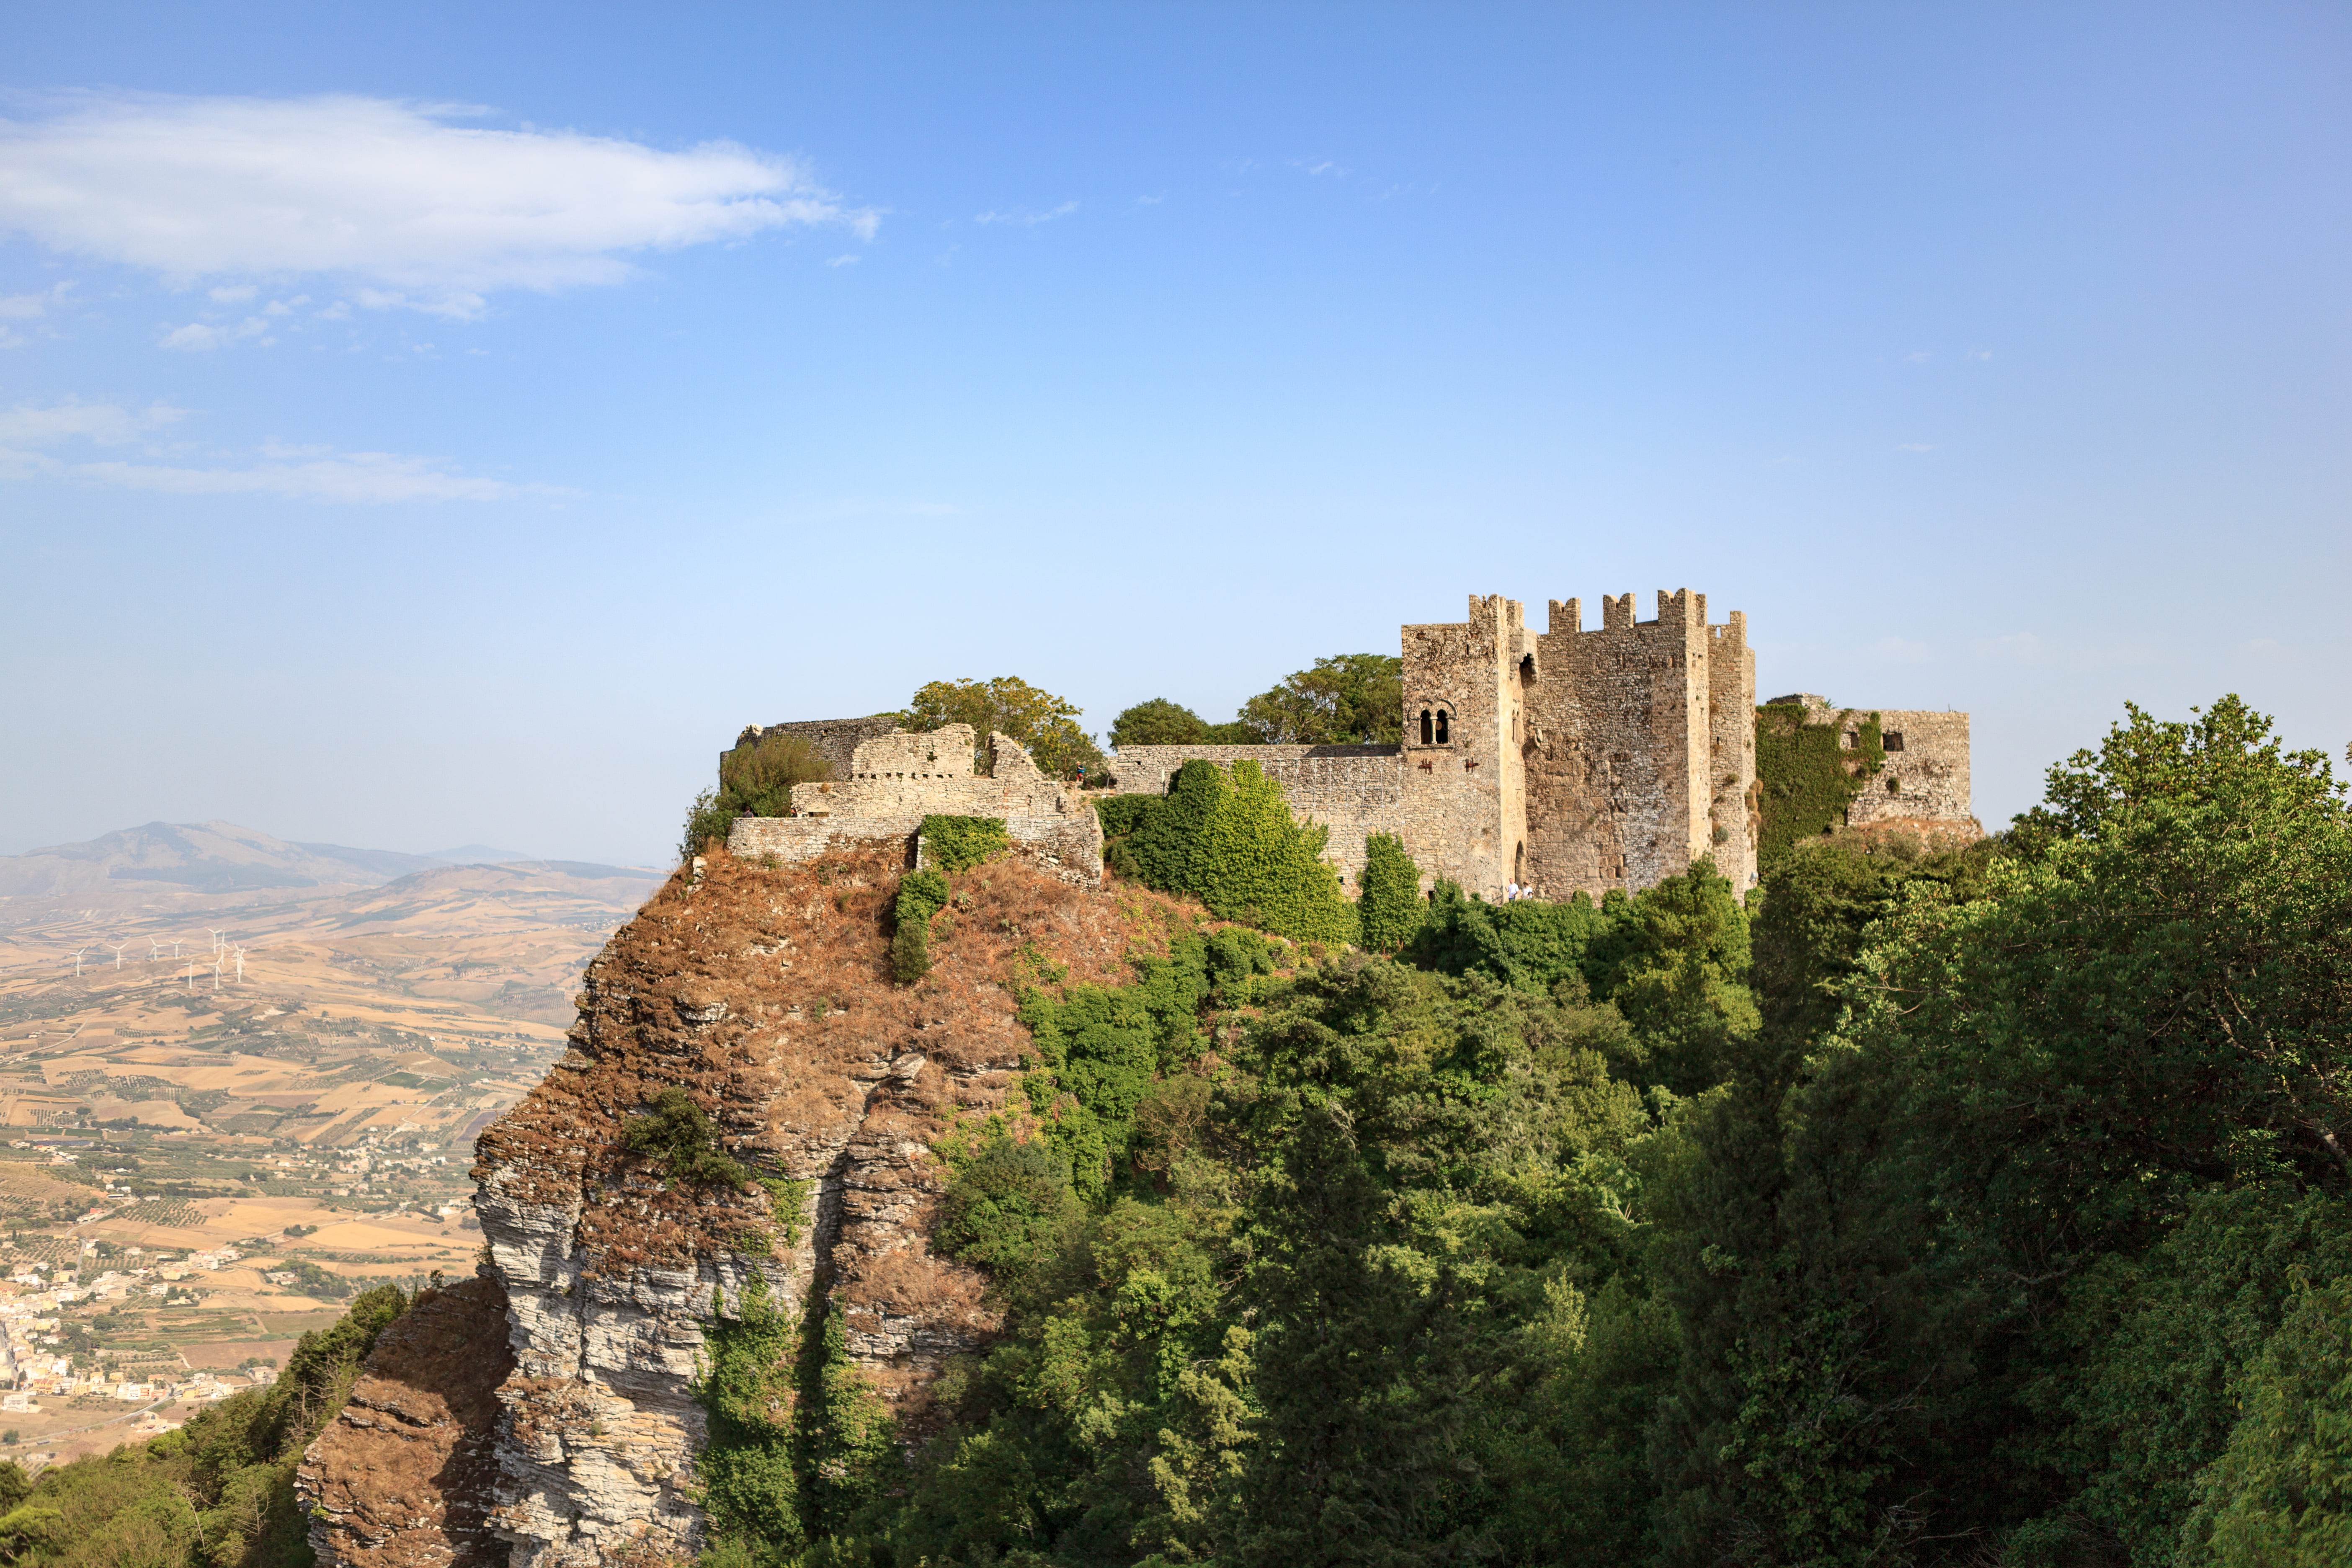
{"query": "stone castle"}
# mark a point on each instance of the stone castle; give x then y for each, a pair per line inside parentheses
(1567, 760)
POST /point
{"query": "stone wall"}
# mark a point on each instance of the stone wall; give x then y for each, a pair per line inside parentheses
(1925, 780)
(894, 781)
(1924, 787)
(836, 740)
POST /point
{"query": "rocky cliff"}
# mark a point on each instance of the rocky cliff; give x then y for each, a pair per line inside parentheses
(765, 992)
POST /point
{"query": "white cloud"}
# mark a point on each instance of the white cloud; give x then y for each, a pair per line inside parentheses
(412, 209)
(198, 335)
(232, 294)
(843, 261)
(1319, 166)
(23, 307)
(1915, 447)
(292, 473)
(106, 423)
(1024, 215)
(352, 478)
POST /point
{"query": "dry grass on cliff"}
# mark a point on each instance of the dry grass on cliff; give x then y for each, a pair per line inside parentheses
(766, 991)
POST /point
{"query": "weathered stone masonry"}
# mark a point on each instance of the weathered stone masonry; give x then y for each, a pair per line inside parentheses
(897, 779)
(1566, 759)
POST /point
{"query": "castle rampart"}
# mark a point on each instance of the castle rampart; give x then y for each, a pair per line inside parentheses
(1570, 760)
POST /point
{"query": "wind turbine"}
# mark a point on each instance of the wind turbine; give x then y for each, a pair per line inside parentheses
(154, 950)
(78, 952)
(240, 964)
(117, 954)
(216, 936)
(216, 963)
(190, 976)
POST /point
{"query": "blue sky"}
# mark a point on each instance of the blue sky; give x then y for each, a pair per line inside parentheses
(431, 423)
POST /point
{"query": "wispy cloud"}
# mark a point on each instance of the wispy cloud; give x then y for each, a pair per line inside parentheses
(1320, 166)
(850, 261)
(199, 335)
(291, 473)
(391, 196)
(1024, 215)
(1915, 445)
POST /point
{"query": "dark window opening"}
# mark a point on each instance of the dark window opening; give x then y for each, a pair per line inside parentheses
(1890, 741)
(1444, 735)
(1895, 787)
(1424, 726)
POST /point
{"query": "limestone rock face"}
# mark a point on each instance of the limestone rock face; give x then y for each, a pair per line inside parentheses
(402, 1478)
(765, 992)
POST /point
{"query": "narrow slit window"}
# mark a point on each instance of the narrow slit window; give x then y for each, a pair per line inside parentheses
(1444, 735)
(1424, 727)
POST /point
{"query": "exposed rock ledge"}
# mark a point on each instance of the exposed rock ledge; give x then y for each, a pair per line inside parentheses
(765, 992)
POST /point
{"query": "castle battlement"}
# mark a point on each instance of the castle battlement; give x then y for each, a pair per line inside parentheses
(1569, 760)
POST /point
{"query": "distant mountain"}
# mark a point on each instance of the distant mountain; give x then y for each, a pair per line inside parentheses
(478, 855)
(380, 862)
(196, 856)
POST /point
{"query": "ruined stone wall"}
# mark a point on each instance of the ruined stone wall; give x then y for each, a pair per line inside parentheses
(1925, 780)
(894, 781)
(836, 740)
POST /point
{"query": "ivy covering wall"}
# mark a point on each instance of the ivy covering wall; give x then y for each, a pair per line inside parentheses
(1228, 840)
(1806, 773)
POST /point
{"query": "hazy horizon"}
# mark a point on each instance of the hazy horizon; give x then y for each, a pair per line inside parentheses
(451, 427)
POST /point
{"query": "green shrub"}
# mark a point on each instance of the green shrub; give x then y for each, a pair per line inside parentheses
(1389, 909)
(922, 894)
(750, 1485)
(1123, 813)
(678, 1132)
(1229, 840)
(757, 780)
(1006, 1207)
(953, 844)
(706, 819)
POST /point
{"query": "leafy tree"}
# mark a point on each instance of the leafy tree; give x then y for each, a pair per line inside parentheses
(1348, 699)
(1045, 723)
(1006, 1207)
(1158, 722)
(2281, 1494)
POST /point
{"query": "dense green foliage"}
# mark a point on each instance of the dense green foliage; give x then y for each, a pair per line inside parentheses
(799, 1443)
(922, 894)
(679, 1134)
(1932, 1208)
(1047, 724)
(1157, 721)
(1347, 699)
(1227, 838)
(953, 844)
(219, 1492)
(1806, 775)
(756, 780)
(1388, 905)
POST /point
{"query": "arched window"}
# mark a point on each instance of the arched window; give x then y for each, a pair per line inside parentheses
(1444, 729)
(1424, 726)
